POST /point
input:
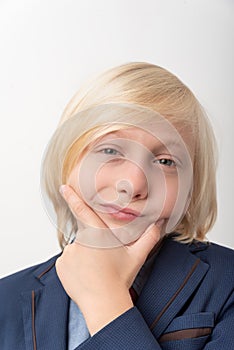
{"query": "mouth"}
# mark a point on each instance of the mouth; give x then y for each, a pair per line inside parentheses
(125, 214)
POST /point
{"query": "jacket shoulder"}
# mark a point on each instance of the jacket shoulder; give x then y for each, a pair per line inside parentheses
(213, 251)
(25, 279)
(219, 258)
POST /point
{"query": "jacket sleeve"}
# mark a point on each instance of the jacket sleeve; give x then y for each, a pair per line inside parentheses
(128, 331)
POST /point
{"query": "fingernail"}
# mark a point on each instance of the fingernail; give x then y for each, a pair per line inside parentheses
(62, 189)
(160, 222)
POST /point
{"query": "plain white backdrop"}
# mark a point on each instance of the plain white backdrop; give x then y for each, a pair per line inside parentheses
(49, 48)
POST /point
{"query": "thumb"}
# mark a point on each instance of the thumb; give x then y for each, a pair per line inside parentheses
(142, 247)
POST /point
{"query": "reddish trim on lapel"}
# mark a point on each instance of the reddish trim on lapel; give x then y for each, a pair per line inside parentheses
(33, 321)
(45, 271)
(176, 293)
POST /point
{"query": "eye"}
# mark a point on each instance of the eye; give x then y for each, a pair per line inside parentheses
(110, 151)
(166, 162)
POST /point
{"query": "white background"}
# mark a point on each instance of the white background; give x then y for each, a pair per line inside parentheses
(49, 47)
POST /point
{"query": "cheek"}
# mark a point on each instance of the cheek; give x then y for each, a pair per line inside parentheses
(105, 183)
(175, 206)
(170, 197)
(103, 178)
(87, 182)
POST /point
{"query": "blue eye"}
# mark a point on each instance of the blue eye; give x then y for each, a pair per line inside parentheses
(109, 151)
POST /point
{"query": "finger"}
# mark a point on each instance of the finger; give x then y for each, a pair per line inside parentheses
(142, 247)
(80, 209)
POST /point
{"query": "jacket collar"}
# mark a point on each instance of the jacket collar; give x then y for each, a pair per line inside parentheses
(175, 275)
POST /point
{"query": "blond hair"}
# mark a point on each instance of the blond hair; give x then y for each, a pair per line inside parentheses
(155, 89)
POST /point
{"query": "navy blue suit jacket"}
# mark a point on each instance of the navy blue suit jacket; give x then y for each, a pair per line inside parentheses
(187, 303)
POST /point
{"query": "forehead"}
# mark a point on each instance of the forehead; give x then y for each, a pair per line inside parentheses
(161, 138)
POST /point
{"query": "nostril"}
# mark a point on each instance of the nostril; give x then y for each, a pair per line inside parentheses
(124, 186)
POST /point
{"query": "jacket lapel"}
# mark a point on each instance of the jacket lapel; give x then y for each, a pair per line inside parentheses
(45, 311)
(175, 276)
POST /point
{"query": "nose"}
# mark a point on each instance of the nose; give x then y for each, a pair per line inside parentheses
(132, 182)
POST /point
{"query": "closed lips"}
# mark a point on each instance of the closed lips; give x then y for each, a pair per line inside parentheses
(116, 209)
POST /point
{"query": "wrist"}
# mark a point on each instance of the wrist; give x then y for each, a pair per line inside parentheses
(98, 312)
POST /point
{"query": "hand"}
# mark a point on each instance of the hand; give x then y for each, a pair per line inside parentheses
(98, 280)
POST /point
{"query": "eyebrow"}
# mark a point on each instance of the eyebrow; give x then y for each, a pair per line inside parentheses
(159, 148)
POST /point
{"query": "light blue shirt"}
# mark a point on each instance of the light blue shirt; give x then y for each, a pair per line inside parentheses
(77, 329)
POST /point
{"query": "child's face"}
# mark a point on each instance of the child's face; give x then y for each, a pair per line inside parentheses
(132, 179)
